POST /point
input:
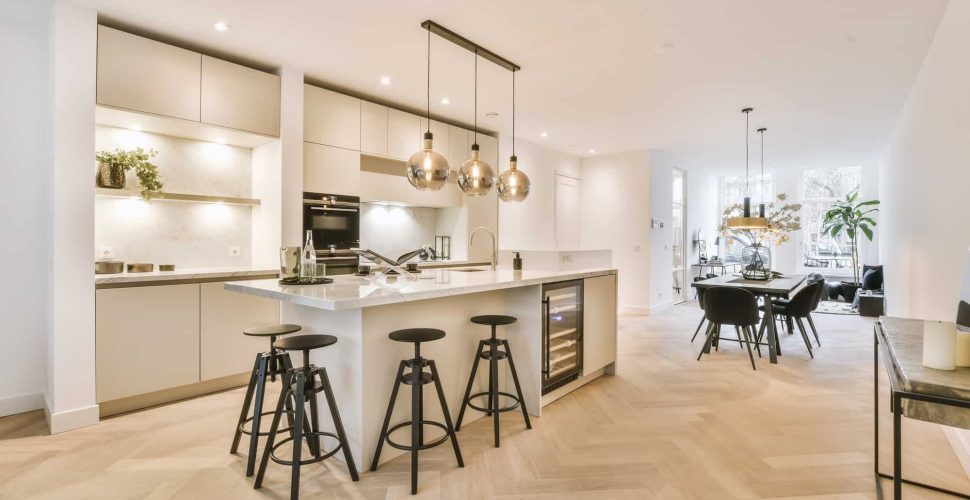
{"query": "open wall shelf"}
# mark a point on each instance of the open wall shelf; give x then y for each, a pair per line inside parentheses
(196, 198)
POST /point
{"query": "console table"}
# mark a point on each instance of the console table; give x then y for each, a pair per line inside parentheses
(916, 392)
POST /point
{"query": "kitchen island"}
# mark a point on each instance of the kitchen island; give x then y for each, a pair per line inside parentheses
(363, 364)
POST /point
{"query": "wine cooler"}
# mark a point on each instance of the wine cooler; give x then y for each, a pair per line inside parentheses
(562, 333)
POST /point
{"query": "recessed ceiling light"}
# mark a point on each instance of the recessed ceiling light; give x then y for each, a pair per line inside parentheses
(220, 26)
(445, 101)
(663, 47)
(592, 151)
(543, 134)
(491, 114)
(385, 80)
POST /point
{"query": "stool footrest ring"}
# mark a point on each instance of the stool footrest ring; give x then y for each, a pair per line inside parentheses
(308, 461)
(248, 432)
(425, 446)
(500, 410)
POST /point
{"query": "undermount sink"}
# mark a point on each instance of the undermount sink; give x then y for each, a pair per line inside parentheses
(466, 269)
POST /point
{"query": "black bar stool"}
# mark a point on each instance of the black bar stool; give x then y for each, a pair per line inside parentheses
(417, 378)
(301, 385)
(493, 355)
(271, 363)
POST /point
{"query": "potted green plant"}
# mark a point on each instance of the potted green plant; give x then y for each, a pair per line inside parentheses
(851, 217)
(113, 165)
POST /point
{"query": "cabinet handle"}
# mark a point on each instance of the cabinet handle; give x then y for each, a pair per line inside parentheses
(545, 320)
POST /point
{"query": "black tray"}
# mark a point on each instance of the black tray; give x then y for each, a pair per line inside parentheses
(317, 281)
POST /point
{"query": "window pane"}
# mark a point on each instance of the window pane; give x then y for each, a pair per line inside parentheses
(820, 189)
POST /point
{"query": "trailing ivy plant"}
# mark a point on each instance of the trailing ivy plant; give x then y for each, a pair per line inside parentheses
(136, 159)
(851, 217)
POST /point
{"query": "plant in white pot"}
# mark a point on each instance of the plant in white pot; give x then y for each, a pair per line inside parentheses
(851, 217)
(113, 165)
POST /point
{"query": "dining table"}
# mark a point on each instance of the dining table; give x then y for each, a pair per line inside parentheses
(781, 287)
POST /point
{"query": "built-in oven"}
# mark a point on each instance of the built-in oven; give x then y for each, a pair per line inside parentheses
(334, 221)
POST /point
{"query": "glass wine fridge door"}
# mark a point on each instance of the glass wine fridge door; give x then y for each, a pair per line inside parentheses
(562, 328)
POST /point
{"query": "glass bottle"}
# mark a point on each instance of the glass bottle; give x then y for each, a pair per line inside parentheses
(309, 259)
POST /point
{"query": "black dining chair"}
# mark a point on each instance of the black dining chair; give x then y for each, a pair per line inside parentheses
(800, 307)
(725, 305)
(700, 301)
(963, 314)
(785, 321)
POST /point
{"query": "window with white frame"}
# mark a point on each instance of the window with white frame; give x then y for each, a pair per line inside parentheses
(731, 190)
(820, 188)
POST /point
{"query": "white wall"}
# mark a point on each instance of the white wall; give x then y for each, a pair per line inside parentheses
(702, 213)
(925, 181)
(530, 224)
(661, 238)
(615, 196)
(25, 160)
(70, 396)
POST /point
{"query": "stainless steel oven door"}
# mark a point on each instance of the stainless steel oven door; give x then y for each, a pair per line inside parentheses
(333, 225)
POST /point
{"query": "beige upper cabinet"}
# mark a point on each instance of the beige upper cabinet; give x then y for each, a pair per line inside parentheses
(144, 75)
(403, 134)
(331, 170)
(440, 132)
(459, 144)
(331, 118)
(238, 97)
(373, 128)
(488, 147)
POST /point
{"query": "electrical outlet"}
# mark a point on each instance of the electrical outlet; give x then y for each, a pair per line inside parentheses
(566, 258)
(636, 248)
(106, 252)
(234, 251)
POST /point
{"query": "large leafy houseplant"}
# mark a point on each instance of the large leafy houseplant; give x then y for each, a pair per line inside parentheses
(121, 160)
(851, 217)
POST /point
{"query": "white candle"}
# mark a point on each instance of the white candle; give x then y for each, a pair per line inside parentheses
(963, 348)
(939, 345)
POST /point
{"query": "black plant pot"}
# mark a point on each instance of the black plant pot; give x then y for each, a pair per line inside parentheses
(849, 289)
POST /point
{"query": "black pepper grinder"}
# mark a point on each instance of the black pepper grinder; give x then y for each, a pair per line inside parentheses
(517, 262)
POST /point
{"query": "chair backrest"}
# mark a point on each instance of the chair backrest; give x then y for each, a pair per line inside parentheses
(805, 301)
(817, 278)
(963, 314)
(730, 306)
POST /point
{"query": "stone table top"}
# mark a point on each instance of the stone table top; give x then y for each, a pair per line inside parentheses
(903, 339)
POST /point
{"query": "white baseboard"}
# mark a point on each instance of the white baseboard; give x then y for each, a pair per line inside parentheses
(635, 310)
(654, 309)
(960, 441)
(18, 404)
(71, 419)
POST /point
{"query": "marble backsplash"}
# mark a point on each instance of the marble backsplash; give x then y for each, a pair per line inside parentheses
(185, 234)
(393, 230)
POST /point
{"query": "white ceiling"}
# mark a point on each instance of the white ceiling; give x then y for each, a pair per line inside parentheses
(827, 77)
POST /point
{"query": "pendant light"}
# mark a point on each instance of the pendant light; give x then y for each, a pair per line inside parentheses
(746, 221)
(761, 206)
(513, 184)
(428, 169)
(475, 177)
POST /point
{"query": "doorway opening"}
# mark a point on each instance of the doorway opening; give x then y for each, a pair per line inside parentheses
(679, 222)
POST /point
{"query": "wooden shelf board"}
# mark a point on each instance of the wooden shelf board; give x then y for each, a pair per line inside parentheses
(195, 198)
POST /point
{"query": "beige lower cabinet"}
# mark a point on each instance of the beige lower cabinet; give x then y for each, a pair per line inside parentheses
(147, 339)
(224, 349)
(599, 322)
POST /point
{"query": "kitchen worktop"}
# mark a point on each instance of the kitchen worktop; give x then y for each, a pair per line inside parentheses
(180, 275)
(437, 264)
(353, 292)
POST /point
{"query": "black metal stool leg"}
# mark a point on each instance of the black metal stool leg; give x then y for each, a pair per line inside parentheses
(314, 417)
(416, 410)
(471, 382)
(247, 402)
(446, 413)
(257, 414)
(271, 439)
(387, 416)
(493, 385)
(338, 425)
(310, 440)
(300, 404)
(518, 388)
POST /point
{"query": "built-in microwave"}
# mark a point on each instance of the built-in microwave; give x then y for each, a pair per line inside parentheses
(334, 221)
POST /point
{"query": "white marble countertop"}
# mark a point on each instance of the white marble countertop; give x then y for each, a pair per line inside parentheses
(181, 274)
(353, 292)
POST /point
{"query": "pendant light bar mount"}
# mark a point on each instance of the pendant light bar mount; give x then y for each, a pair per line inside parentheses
(469, 45)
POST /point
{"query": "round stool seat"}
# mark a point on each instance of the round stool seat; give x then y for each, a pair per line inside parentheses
(305, 342)
(270, 330)
(494, 319)
(417, 335)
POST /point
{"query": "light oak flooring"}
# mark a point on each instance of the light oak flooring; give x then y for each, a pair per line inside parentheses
(666, 426)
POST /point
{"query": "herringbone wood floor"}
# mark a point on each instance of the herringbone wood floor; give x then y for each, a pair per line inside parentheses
(666, 426)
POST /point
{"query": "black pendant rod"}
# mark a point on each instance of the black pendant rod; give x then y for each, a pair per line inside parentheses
(476, 97)
(761, 207)
(469, 45)
(429, 81)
